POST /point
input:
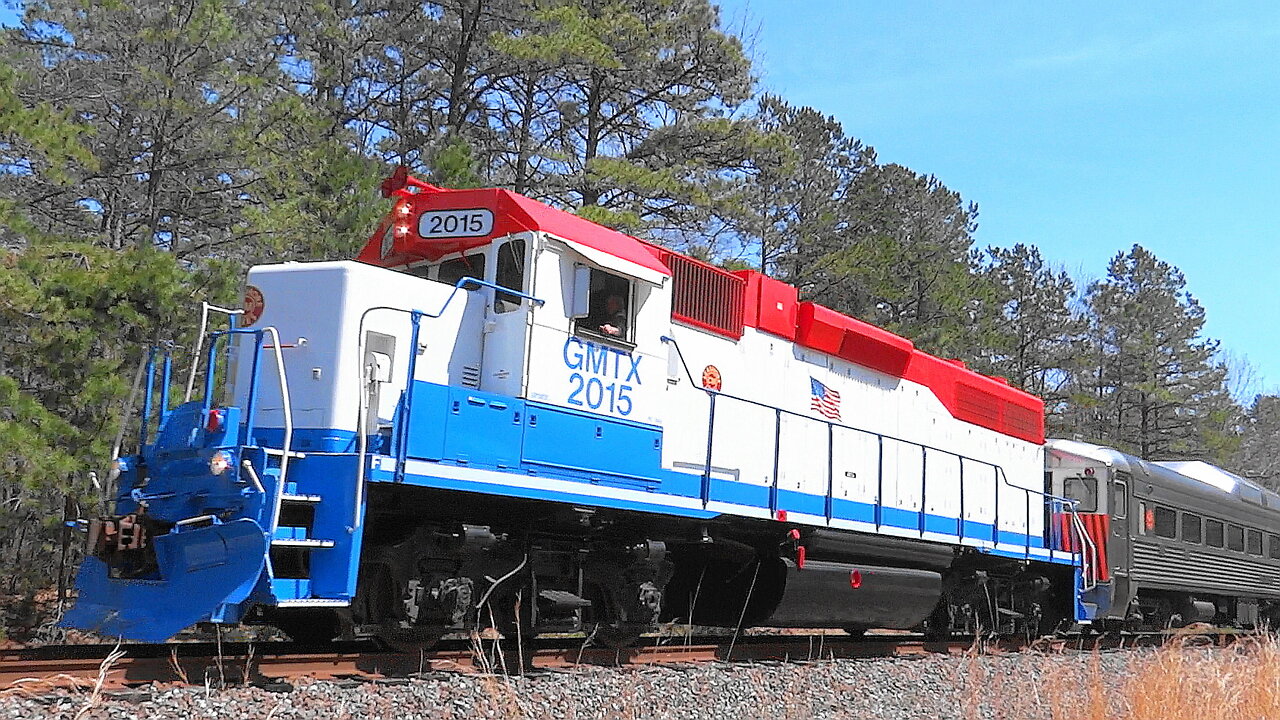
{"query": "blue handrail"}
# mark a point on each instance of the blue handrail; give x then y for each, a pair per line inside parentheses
(246, 430)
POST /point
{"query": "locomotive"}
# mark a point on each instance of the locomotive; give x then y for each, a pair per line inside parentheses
(501, 415)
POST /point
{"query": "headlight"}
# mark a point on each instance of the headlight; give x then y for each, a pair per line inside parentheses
(219, 463)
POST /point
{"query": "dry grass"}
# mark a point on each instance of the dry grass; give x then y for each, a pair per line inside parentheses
(1188, 679)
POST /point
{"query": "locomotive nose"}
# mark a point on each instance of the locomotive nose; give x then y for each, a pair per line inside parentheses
(200, 572)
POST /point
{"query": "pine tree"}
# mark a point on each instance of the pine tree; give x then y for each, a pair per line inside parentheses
(1258, 457)
(904, 260)
(1035, 336)
(1156, 386)
(641, 126)
(787, 211)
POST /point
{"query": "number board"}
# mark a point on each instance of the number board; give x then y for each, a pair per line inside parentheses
(476, 222)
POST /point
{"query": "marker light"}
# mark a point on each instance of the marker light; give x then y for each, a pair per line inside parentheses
(855, 579)
(219, 463)
(214, 421)
(800, 557)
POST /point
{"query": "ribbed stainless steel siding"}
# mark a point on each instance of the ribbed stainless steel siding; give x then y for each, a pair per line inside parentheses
(1191, 570)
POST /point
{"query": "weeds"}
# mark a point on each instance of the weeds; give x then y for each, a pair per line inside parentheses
(1187, 679)
(103, 671)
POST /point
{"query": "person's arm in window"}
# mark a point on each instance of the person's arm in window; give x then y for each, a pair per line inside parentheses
(612, 320)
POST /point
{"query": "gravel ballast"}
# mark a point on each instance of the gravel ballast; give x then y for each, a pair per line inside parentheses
(935, 686)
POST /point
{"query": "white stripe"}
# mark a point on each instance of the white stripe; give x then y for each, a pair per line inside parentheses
(735, 509)
(535, 482)
(805, 518)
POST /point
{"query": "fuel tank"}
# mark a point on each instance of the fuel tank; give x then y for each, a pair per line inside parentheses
(835, 594)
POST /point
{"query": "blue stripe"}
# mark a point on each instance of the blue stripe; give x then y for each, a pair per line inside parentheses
(899, 518)
(793, 501)
(739, 493)
(462, 427)
(940, 524)
(853, 510)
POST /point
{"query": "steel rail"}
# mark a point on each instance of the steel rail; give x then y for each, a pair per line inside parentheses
(46, 669)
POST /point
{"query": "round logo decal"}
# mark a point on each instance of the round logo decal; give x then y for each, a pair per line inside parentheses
(254, 304)
(711, 377)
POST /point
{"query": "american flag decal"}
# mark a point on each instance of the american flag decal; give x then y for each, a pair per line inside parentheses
(824, 400)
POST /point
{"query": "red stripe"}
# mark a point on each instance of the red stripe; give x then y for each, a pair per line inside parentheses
(1104, 531)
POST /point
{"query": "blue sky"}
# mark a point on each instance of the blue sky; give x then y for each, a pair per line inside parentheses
(1080, 127)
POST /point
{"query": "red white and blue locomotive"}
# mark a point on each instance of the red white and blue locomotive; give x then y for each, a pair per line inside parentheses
(503, 414)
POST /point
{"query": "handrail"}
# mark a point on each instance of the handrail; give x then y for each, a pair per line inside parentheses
(362, 440)
(149, 398)
(250, 410)
(1089, 562)
(1001, 477)
(253, 475)
(195, 354)
(1027, 493)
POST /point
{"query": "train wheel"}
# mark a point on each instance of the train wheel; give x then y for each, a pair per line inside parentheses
(937, 627)
(856, 631)
(618, 635)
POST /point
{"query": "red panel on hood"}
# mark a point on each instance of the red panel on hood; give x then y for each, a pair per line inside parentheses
(512, 213)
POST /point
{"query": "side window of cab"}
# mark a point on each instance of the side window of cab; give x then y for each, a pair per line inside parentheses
(510, 273)
(610, 310)
(451, 271)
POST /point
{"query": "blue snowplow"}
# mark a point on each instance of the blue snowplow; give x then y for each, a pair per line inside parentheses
(203, 574)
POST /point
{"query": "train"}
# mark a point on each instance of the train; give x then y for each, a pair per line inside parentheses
(502, 416)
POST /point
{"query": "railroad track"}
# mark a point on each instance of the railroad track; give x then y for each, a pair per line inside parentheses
(277, 663)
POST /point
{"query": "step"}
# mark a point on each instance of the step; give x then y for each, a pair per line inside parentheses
(311, 543)
(278, 453)
(313, 602)
(297, 498)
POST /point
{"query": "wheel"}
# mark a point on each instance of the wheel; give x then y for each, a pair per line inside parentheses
(616, 636)
(938, 625)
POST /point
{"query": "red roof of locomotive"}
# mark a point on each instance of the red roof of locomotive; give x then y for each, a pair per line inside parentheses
(512, 212)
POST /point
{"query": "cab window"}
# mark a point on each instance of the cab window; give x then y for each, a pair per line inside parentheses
(451, 271)
(611, 313)
(1085, 490)
(510, 274)
(422, 271)
(1120, 500)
